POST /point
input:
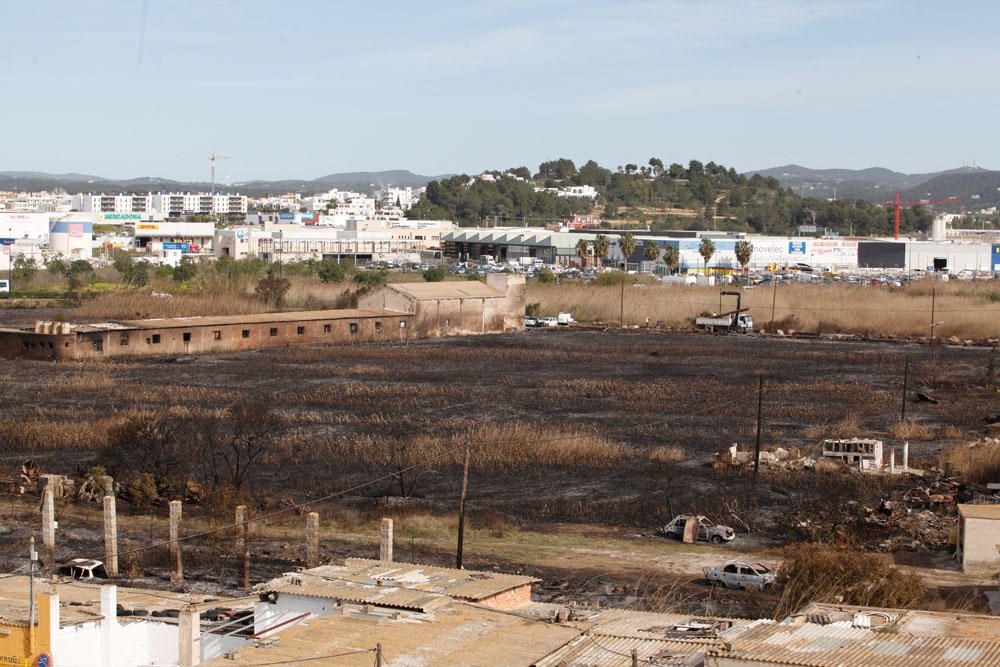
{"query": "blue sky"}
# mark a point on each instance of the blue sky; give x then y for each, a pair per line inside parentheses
(302, 88)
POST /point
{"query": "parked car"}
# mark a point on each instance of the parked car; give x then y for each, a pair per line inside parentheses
(708, 530)
(740, 574)
(547, 322)
(530, 321)
(565, 319)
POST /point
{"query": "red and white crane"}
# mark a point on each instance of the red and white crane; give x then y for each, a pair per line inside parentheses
(898, 204)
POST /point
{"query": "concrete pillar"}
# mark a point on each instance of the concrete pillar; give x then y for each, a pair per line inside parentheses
(48, 524)
(241, 529)
(312, 539)
(189, 638)
(385, 540)
(906, 456)
(109, 624)
(110, 537)
(177, 574)
(892, 460)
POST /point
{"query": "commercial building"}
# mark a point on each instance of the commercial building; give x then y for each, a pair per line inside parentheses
(409, 311)
(155, 237)
(978, 537)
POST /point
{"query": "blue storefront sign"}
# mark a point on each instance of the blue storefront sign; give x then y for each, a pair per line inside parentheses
(183, 247)
(996, 257)
(796, 247)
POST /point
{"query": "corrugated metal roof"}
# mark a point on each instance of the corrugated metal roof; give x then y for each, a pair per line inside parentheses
(451, 289)
(650, 625)
(840, 646)
(979, 511)
(604, 651)
(392, 597)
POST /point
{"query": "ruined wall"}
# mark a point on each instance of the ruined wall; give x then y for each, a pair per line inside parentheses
(204, 338)
(514, 288)
(515, 598)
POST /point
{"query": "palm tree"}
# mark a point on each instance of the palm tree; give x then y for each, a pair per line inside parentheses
(650, 251)
(744, 249)
(706, 250)
(601, 246)
(627, 245)
(671, 257)
(583, 249)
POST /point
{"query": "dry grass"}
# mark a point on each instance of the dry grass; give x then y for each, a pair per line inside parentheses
(978, 462)
(666, 454)
(911, 430)
(966, 310)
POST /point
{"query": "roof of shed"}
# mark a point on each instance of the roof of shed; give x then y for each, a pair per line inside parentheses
(979, 511)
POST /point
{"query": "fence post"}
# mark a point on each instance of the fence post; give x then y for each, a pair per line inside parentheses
(110, 536)
(312, 539)
(175, 546)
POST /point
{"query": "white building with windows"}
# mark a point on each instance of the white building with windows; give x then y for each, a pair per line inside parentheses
(112, 203)
(176, 205)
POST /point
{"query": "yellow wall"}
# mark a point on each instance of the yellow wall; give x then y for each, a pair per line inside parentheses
(15, 648)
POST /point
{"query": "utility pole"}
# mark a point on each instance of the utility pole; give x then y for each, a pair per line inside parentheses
(461, 510)
(760, 407)
(906, 379)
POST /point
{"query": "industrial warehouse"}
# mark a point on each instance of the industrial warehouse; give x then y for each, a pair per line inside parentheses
(392, 313)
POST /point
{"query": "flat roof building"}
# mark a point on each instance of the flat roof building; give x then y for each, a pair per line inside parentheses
(979, 537)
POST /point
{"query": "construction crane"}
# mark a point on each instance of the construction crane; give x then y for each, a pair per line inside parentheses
(898, 204)
(212, 158)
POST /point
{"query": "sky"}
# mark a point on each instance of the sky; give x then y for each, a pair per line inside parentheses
(303, 88)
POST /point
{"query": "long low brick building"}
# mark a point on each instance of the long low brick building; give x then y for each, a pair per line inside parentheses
(392, 313)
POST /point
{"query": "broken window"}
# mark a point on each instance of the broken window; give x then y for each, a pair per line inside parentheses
(274, 331)
(123, 341)
(246, 333)
(354, 327)
(378, 327)
(187, 336)
(98, 345)
(156, 339)
(327, 328)
(217, 335)
(300, 330)
(402, 324)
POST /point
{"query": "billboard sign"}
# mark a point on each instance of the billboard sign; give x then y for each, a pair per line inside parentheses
(796, 247)
(120, 216)
(995, 263)
(183, 247)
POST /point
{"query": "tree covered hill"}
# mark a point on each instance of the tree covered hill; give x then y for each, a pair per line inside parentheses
(696, 196)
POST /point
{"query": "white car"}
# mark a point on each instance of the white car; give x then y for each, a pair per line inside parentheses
(530, 321)
(547, 322)
(740, 574)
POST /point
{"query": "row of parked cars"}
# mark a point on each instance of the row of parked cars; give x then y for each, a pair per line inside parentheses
(561, 320)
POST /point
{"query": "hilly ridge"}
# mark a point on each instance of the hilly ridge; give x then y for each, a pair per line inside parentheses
(364, 181)
(874, 184)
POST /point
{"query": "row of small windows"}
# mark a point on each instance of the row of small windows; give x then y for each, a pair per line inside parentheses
(154, 339)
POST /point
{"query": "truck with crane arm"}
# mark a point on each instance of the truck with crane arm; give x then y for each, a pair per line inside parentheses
(735, 321)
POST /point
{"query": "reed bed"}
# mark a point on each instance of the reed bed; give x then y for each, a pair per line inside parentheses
(968, 311)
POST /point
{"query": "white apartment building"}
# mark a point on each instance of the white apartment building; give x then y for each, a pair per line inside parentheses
(175, 205)
(404, 198)
(587, 191)
(37, 202)
(110, 203)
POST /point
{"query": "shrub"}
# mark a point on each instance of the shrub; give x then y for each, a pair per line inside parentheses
(143, 490)
(979, 462)
(819, 572)
(546, 277)
(272, 290)
(332, 271)
(607, 278)
(372, 278)
(435, 275)
(185, 270)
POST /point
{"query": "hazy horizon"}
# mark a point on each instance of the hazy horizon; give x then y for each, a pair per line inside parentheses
(122, 89)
